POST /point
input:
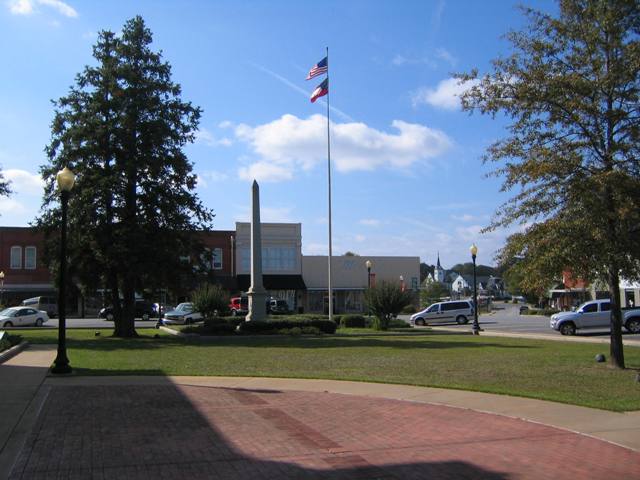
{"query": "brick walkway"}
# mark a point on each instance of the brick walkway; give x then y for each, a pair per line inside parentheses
(174, 431)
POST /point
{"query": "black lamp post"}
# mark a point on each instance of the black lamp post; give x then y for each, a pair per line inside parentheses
(65, 180)
(476, 328)
(368, 263)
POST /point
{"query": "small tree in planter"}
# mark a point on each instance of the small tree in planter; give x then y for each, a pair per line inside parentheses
(386, 301)
(209, 299)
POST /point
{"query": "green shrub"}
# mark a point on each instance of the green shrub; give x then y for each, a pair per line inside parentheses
(386, 301)
(274, 326)
(352, 321)
(9, 341)
(409, 309)
(311, 330)
(397, 323)
(210, 300)
(215, 326)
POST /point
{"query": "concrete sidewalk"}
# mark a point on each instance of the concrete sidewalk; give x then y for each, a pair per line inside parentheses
(26, 391)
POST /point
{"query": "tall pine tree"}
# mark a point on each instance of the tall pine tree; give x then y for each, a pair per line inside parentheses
(132, 213)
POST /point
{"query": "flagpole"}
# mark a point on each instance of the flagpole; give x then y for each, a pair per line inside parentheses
(329, 182)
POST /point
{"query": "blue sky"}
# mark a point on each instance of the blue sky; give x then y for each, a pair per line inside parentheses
(408, 178)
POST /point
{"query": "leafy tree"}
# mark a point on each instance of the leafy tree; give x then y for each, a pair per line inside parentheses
(132, 213)
(5, 190)
(425, 270)
(467, 269)
(386, 300)
(351, 254)
(432, 293)
(209, 299)
(570, 91)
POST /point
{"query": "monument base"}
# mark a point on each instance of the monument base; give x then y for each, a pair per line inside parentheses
(257, 305)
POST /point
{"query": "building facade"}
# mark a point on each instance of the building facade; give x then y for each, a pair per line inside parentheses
(350, 280)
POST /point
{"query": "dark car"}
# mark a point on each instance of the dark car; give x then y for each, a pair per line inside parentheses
(277, 306)
(144, 310)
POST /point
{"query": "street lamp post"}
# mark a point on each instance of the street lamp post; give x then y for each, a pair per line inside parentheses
(65, 180)
(402, 287)
(368, 263)
(476, 328)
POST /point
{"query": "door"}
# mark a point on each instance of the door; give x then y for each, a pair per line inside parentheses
(590, 317)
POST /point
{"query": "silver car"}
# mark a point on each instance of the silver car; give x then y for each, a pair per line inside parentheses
(182, 314)
(459, 311)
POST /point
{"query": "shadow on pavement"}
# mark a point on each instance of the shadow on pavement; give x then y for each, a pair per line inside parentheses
(172, 431)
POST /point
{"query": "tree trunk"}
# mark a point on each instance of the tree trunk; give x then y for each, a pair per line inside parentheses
(616, 349)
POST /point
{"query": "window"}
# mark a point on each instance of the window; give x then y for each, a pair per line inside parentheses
(16, 257)
(30, 258)
(590, 307)
(605, 307)
(217, 259)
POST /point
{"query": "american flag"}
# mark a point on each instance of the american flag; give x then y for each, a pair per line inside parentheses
(318, 69)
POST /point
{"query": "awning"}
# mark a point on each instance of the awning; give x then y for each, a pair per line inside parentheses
(274, 282)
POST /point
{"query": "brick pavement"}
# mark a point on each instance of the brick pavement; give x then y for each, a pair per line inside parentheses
(181, 431)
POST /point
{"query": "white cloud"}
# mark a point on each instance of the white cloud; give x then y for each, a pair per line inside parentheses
(289, 144)
(370, 222)
(205, 137)
(211, 176)
(225, 124)
(446, 95)
(359, 238)
(463, 218)
(444, 54)
(21, 7)
(24, 182)
(27, 7)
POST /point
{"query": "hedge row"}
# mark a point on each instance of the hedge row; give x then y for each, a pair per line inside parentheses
(276, 326)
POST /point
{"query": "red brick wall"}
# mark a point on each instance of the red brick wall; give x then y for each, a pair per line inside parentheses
(22, 237)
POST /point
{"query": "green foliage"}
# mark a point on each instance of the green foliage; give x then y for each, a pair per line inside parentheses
(409, 309)
(133, 210)
(210, 300)
(352, 321)
(274, 326)
(386, 301)
(425, 270)
(397, 323)
(570, 89)
(9, 341)
(5, 189)
(432, 293)
(481, 270)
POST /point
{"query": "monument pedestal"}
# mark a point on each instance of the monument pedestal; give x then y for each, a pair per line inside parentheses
(257, 305)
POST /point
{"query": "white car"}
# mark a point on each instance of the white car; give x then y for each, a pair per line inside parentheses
(22, 316)
(459, 311)
(182, 314)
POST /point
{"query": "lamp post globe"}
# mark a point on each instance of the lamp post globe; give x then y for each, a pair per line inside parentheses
(1, 287)
(65, 180)
(476, 327)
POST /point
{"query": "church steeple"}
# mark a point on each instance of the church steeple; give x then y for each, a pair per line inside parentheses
(439, 266)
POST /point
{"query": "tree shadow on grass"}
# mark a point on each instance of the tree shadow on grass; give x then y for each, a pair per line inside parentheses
(325, 342)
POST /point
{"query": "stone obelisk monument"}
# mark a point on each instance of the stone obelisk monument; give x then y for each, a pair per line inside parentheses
(257, 294)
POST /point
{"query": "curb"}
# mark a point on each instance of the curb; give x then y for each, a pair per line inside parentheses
(13, 351)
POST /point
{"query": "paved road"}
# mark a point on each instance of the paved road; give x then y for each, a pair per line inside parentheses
(94, 323)
(506, 318)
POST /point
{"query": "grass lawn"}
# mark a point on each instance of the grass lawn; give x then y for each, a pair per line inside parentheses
(550, 370)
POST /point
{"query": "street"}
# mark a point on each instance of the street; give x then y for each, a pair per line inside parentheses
(506, 318)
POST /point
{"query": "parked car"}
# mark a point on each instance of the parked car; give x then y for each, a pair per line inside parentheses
(594, 314)
(239, 305)
(46, 303)
(22, 316)
(182, 314)
(459, 311)
(143, 310)
(277, 306)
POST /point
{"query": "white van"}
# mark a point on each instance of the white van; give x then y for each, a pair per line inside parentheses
(459, 311)
(44, 303)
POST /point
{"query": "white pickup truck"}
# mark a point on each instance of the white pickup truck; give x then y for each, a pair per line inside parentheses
(594, 314)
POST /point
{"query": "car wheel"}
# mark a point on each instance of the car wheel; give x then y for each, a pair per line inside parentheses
(109, 316)
(8, 324)
(145, 317)
(461, 319)
(568, 328)
(39, 322)
(420, 321)
(633, 325)
(234, 313)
